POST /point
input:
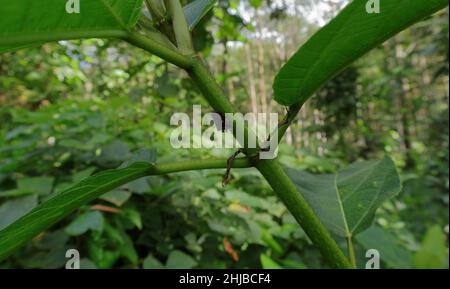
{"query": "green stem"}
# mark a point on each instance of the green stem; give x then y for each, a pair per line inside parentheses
(275, 176)
(160, 50)
(270, 169)
(302, 212)
(195, 165)
(351, 251)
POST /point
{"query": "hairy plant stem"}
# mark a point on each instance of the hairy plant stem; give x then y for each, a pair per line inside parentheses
(351, 251)
(270, 169)
(275, 176)
(195, 165)
(170, 55)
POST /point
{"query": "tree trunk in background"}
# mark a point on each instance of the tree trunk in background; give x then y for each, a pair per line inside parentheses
(261, 78)
(251, 79)
(402, 106)
(262, 94)
(227, 82)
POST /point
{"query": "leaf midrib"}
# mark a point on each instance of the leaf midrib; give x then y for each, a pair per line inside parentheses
(341, 207)
(113, 14)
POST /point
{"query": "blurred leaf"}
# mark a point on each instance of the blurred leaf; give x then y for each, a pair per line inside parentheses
(79, 176)
(37, 185)
(271, 242)
(114, 153)
(180, 260)
(152, 263)
(135, 218)
(88, 221)
(29, 186)
(256, 3)
(433, 252)
(346, 202)
(51, 240)
(392, 253)
(127, 249)
(12, 210)
(117, 197)
(87, 264)
(269, 263)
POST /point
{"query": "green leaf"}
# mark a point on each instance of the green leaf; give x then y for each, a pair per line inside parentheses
(180, 25)
(87, 264)
(392, 252)
(37, 185)
(28, 186)
(134, 217)
(347, 37)
(24, 23)
(12, 210)
(152, 263)
(433, 252)
(269, 263)
(196, 10)
(117, 197)
(56, 208)
(89, 221)
(255, 3)
(180, 260)
(346, 201)
(271, 242)
(127, 249)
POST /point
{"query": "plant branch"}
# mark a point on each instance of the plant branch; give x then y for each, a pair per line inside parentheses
(303, 213)
(275, 176)
(270, 169)
(351, 251)
(194, 165)
(150, 45)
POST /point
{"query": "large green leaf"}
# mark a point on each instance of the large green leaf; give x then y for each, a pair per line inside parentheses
(347, 37)
(196, 10)
(53, 210)
(346, 201)
(24, 22)
(392, 252)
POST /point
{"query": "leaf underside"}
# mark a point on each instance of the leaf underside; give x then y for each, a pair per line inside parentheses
(25, 23)
(196, 10)
(346, 202)
(347, 37)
